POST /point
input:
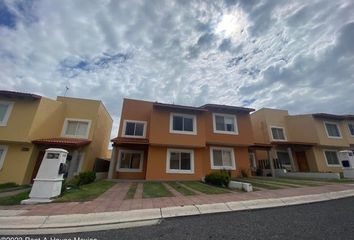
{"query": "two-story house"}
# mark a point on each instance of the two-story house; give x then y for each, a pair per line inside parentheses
(158, 141)
(305, 143)
(30, 123)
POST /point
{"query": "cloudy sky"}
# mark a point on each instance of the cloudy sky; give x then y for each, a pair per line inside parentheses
(296, 55)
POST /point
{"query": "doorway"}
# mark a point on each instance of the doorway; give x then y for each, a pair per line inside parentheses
(302, 161)
(38, 164)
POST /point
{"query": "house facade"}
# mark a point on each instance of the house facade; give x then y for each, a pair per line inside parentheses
(304, 143)
(30, 123)
(159, 141)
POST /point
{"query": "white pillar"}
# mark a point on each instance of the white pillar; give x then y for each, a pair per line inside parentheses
(113, 162)
(270, 157)
(293, 168)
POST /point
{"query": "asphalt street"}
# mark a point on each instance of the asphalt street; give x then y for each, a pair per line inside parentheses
(325, 220)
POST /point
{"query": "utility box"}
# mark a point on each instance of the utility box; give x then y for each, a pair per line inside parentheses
(48, 181)
(346, 158)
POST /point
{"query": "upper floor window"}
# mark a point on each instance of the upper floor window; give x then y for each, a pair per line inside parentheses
(351, 128)
(5, 110)
(225, 123)
(183, 123)
(278, 133)
(222, 158)
(332, 129)
(134, 128)
(76, 128)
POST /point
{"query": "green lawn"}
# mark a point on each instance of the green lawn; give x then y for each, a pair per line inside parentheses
(181, 189)
(155, 190)
(205, 188)
(15, 199)
(85, 192)
(4, 187)
(131, 191)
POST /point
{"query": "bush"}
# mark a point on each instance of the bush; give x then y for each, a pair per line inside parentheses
(220, 179)
(81, 179)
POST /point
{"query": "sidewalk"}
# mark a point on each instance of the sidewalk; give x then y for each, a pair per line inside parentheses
(111, 208)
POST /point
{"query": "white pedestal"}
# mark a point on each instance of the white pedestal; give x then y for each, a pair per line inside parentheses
(348, 173)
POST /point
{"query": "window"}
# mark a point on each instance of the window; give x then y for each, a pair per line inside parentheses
(225, 123)
(222, 158)
(283, 157)
(332, 130)
(183, 123)
(135, 129)
(5, 110)
(278, 133)
(180, 161)
(331, 158)
(76, 128)
(351, 128)
(130, 161)
(3, 150)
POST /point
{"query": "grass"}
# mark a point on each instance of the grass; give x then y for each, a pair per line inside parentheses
(155, 190)
(205, 188)
(319, 180)
(181, 189)
(85, 192)
(131, 191)
(15, 199)
(7, 185)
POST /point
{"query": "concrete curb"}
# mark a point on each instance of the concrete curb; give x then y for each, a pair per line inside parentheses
(10, 225)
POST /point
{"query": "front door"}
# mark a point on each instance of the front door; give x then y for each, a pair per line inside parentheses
(38, 164)
(302, 161)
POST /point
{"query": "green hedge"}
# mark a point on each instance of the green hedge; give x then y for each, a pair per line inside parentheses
(221, 179)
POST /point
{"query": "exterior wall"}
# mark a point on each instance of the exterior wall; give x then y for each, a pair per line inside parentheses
(136, 110)
(244, 136)
(20, 120)
(301, 128)
(346, 133)
(156, 165)
(321, 160)
(15, 162)
(159, 132)
(259, 128)
(324, 140)
(131, 175)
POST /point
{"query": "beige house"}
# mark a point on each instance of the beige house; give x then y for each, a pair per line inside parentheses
(304, 143)
(30, 123)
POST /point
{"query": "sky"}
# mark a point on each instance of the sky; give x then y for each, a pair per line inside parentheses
(295, 55)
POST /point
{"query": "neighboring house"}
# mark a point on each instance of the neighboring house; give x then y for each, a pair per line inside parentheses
(158, 141)
(305, 143)
(29, 124)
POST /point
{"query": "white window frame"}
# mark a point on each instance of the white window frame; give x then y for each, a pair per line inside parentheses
(253, 163)
(194, 118)
(179, 171)
(66, 121)
(141, 165)
(233, 160)
(337, 124)
(283, 151)
(275, 139)
(3, 123)
(2, 158)
(350, 123)
(133, 121)
(235, 132)
(331, 165)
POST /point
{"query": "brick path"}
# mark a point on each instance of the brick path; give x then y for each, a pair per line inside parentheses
(113, 199)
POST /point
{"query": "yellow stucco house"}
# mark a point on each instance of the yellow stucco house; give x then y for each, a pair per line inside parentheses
(301, 143)
(30, 123)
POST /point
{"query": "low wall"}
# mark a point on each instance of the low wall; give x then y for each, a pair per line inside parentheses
(308, 175)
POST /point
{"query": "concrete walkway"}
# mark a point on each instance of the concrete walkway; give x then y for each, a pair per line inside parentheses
(58, 223)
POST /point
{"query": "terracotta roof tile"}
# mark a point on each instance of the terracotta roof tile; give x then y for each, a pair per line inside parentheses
(123, 140)
(72, 142)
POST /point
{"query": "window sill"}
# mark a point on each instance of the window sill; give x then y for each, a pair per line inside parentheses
(183, 132)
(129, 170)
(226, 132)
(179, 171)
(335, 137)
(132, 136)
(333, 165)
(223, 168)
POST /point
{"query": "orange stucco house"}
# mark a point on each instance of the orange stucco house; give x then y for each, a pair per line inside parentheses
(158, 141)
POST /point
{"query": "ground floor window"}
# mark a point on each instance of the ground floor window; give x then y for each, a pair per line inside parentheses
(283, 157)
(222, 158)
(3, 150)
(130, 161)
(331, 157)
(180, 161)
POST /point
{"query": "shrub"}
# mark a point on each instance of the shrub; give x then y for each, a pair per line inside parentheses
(220, 179)
(86, 178)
